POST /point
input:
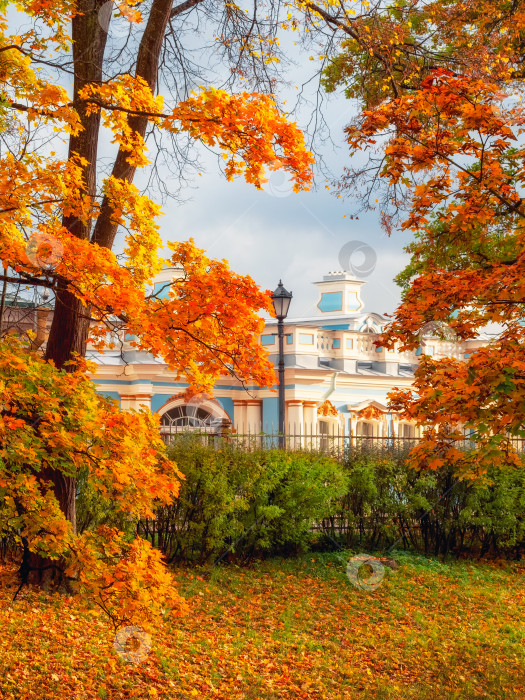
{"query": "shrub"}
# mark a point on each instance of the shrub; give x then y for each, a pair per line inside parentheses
(434, 512)
(56, 434)
(309, 489)
(254, 502)
(94, 510)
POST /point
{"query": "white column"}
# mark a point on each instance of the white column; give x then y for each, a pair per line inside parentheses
(395, 426)
(294, 422)
(295, 415)
(135, 401)
(310, 416)
(239, 415)
(143, 401)
(253, 416)
(126, 401)
(353, 427)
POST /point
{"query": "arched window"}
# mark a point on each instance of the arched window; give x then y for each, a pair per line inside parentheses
(370, 325)
(187, 416)
(205, 416)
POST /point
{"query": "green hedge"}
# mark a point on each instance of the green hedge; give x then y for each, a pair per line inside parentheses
(262, 502)
(388, 504)
(254, 502)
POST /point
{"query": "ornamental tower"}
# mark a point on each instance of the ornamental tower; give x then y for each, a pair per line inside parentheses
(339, 294)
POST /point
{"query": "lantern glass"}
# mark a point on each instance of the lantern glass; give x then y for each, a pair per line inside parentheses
(281, 301)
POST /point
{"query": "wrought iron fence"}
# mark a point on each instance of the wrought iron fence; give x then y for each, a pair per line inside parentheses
(336, 444)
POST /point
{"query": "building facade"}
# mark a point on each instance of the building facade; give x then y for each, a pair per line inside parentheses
(336, 378)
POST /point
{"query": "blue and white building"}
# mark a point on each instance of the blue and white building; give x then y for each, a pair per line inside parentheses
(336, 379)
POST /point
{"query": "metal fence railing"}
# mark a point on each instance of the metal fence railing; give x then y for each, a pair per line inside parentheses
(338, 444)
(301, 440)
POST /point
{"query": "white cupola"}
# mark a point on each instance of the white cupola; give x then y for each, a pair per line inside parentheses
(162, 281)
(339, 294)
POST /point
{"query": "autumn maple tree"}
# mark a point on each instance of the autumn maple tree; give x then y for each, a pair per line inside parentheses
(68, 84)
(54, 422)
(439, 87)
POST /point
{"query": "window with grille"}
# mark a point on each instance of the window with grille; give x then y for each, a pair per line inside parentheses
(188, 417)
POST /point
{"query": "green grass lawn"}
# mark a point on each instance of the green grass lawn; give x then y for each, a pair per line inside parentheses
(287, 629)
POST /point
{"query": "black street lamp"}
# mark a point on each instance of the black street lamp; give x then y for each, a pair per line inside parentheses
(281, 303)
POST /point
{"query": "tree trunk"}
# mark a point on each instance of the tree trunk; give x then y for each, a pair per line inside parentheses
(147, 69)
(39, 570)
(70, 324)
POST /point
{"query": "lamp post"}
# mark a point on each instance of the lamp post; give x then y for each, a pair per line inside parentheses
(281, 303)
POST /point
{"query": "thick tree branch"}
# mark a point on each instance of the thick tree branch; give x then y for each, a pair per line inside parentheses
(147, 68)
(184, 7)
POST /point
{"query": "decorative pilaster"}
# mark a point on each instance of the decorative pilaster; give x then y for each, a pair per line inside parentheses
(135, 401)
(253, 415)
(240, 419)
(310, 416)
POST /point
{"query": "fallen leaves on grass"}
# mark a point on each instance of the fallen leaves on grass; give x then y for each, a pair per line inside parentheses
(284, 629)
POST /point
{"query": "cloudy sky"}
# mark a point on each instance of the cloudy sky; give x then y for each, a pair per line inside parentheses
(276, 233)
